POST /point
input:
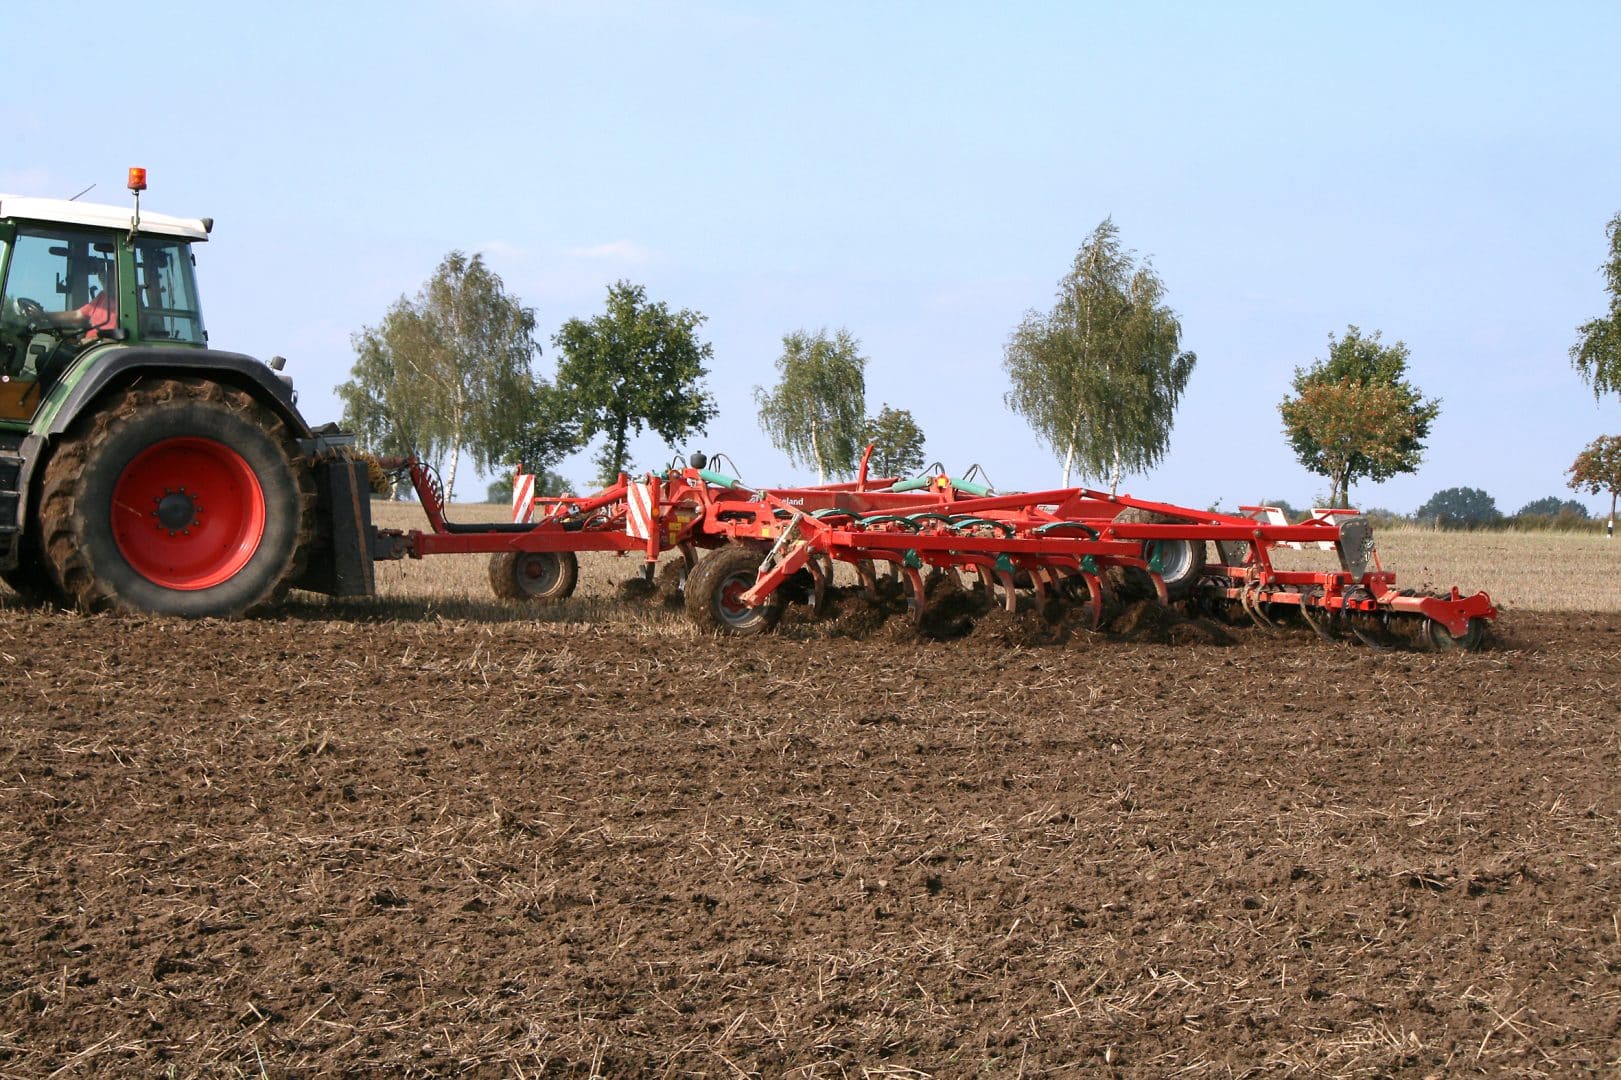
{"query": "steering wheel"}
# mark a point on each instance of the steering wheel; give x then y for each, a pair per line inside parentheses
(29, 313)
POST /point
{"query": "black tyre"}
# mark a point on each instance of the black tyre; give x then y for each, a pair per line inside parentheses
(714, 589)
(1440, 639)
(1181, 562)
(176, 497)
(540, 577)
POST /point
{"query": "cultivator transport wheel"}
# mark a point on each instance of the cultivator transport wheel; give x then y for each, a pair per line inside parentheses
(1181, 562)
(180, 497)
(537, 577)
(715, 587)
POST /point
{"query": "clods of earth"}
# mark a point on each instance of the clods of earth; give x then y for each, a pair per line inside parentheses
(312, 844)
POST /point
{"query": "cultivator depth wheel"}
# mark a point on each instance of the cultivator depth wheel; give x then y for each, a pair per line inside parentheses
(540, 577)
(715, 589)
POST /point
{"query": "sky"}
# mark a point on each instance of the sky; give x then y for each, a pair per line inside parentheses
(920, 174)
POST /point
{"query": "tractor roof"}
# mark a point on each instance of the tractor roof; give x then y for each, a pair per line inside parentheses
(100, 216)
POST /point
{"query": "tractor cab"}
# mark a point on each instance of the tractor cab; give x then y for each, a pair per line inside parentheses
(74, 275)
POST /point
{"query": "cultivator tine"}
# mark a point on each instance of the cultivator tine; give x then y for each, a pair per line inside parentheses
(868, 575)
(821, 571)
(1320, 623)
(1097, 591)
(920, 599)
(1250, 598)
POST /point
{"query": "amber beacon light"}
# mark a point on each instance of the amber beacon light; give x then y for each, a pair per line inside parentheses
(137, 179)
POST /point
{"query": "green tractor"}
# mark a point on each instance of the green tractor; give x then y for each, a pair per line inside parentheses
(140, 469)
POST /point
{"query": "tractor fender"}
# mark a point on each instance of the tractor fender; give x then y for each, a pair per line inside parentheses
(121, 363)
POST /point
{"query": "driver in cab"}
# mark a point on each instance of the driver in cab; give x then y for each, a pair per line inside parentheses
(102, 310)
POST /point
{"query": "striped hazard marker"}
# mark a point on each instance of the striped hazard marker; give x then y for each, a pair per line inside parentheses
(639, 504)
(523, 496)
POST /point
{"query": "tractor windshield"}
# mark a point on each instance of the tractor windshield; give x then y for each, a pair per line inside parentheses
(166, 292)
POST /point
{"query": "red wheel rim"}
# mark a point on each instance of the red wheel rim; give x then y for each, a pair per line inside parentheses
(188, 513)
(732, 607)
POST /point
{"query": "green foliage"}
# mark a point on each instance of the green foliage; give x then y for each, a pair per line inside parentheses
(1459, 508)
(1597, 469)
(1099, 376)
(447, 372)
(547, 482)
(1552, 506)
(1597, 352)
(637, 365)
(1381, 518)
(897, 443)
(1288, 508)
(1355, 415)
(815, 412)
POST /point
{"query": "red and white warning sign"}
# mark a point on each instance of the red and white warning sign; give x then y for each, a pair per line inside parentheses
(640, 503)
(523, 496)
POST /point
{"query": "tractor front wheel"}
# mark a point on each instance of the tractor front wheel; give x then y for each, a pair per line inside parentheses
(537, 577)
(176, 497)
(715, 588)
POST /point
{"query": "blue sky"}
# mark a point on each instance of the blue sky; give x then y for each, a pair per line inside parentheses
(920, 174)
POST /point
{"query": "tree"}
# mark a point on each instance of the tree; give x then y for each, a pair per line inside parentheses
(897, 443)
(547, 482)
(1597, 469)
(1553, 506)
(1460, 507)
(637, 365)
(815, 412)
(1597, 352)
(1100, 375)
(1355, 415)
(446, 372)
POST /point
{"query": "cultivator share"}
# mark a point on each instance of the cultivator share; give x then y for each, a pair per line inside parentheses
(746, 553)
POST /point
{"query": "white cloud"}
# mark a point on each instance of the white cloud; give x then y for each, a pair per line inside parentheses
(503, 249)
(622, 251)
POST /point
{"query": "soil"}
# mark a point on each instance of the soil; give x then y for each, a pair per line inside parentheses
(312, 844)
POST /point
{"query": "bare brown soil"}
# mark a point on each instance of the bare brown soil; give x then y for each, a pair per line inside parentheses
(315, 844)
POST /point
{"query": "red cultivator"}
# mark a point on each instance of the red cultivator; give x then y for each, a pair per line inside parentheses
(747, 552)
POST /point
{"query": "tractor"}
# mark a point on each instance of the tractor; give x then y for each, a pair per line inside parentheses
(141, 469)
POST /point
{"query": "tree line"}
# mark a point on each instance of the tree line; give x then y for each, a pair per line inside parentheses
(1098, 377)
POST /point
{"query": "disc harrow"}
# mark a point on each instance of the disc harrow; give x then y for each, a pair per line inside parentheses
(748, 552)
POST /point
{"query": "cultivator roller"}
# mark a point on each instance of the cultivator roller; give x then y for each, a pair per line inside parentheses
(747, 552)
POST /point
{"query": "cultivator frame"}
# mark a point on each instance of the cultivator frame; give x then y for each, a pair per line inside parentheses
(1085, 550)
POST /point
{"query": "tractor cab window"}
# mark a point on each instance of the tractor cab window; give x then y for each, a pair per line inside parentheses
(60, 290)
(166, 292)
(61, 270)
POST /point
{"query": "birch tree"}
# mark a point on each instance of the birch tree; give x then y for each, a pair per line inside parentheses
(1099, 376)
(816, 412)
(447, 372)
(1597, 352)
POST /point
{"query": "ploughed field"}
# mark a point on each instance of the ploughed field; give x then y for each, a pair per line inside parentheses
(426, 837)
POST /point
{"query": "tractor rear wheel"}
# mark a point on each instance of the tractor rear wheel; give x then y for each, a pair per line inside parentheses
(1181, 562)
(176, 497)
(539, 577)
(715, 587)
